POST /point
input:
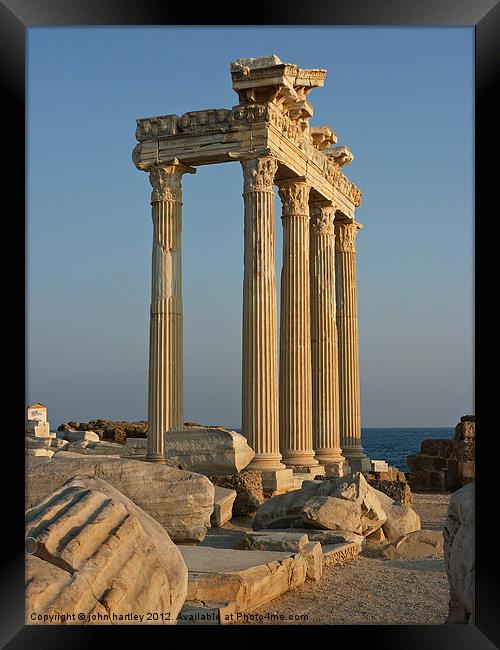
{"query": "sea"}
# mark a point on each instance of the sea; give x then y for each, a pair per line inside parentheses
(394, 444)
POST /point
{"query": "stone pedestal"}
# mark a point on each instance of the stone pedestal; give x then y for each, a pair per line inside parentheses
(348, 354)
(165, 395)
(295, 328)
(277, 482)
(260, 423)
(325, 388)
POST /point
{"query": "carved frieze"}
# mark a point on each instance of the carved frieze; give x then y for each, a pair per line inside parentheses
(156, 127)
(258, 174)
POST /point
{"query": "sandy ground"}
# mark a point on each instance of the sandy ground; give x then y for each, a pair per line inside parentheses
(370, 590)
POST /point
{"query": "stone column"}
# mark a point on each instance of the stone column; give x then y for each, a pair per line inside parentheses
(260, 423)
(165, 393)
(295, 329)
(325, 388)
(347, 325)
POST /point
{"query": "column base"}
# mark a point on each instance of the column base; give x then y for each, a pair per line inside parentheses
(277, 481)
(300, 459)
(266, 463)
(357, 459)
(154, 458)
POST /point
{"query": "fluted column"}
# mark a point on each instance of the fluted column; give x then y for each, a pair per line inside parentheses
(260, 337)
(165, 390)
(295, 328)
(325, 388)
(347, 325)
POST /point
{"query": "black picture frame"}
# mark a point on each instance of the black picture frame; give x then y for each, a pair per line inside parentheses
(15, 17)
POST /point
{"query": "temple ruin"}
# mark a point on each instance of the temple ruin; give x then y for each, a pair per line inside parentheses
(301, 403)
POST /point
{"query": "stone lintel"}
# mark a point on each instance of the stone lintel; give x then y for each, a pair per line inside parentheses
(253, 130)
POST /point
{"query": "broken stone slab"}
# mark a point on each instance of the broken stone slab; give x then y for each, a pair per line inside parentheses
(248, 579)
(39, 451)
(180, 501)
(333, 513)
(329, 537)
(400, 521)
(313, 554)
(30, 442)
(249, 491)
(416, 545)
(274, 541)
(459, 557)
(208, 451)
(285, 510)
(339, 553)
(76, 436)
(127, 560)
(223, 506)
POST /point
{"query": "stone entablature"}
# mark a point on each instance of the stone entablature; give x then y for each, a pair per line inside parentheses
(263, 127)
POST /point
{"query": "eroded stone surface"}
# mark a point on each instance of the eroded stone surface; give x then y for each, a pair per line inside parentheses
(459, 555)
(180, 501)
(274, 541)
(400, 521)
(249, 491)
(209, 451)
(419, 544)
(112, 553)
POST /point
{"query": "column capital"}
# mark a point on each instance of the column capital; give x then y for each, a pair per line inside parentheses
(165, 179)
(345, 236)
(294, 195)
(258, 173)
(322, 217)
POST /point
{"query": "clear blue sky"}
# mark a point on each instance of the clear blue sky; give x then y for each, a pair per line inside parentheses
(400, 98)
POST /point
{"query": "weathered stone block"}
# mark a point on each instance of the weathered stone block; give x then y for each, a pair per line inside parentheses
(180, 501)
(213, 452)
(223, 506)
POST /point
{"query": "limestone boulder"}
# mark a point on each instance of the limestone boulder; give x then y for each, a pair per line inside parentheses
(459, 555)
(400, 521)
(248, 488)
(333, 513)
(416, 545)
(180, 501)
(209, 451)
(286, 510)
(113, 554)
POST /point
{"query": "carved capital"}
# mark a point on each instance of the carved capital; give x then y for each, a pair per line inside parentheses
(345, 237)
(322, 216)
(166, 179)
(294, 197)
(258, 174)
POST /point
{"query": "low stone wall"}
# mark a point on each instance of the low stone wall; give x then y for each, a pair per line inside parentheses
(445, 464)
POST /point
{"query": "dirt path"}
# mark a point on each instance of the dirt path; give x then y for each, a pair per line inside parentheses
(371, 590)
